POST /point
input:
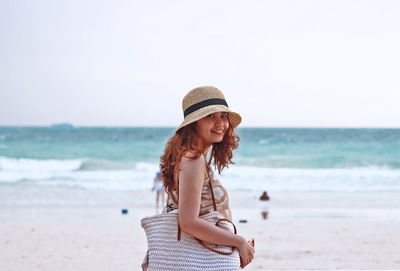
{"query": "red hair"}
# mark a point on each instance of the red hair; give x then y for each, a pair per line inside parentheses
(187, 140)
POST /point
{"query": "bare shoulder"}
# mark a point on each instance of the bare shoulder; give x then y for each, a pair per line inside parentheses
(191, 166)
(190, 157)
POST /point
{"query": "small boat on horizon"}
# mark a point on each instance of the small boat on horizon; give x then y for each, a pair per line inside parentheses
(62, 125)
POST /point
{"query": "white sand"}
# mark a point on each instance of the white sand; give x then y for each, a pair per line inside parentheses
(76, 236)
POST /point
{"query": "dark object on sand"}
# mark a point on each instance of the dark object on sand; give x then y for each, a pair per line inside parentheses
(243, 221)
(124, 211)
(264, 196)
(264, 214)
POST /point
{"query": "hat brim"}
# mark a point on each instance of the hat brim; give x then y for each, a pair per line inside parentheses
(234, 118)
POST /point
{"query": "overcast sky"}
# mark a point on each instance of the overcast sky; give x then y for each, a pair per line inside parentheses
(129, 63)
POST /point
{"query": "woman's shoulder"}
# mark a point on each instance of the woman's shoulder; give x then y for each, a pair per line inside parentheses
(193, 156)
(192, 161)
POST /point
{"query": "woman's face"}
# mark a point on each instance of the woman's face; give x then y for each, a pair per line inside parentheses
(212, 128)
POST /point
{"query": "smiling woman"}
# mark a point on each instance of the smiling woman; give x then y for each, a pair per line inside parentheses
(213, 127)
(195, 197)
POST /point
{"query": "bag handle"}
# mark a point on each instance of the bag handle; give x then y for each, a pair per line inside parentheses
(214, 250)
(201, 242)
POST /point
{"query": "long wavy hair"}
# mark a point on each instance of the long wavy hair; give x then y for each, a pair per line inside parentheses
(187, 140)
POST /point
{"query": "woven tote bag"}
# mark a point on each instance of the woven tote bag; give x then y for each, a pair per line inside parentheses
(167, 253)
(170, 249)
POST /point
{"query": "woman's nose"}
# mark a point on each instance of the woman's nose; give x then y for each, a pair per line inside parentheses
(218, 121)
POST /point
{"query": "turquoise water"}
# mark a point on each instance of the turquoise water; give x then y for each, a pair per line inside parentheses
(292, 148)
(341, 158)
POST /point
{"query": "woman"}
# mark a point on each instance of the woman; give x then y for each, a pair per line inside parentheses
(207, 129)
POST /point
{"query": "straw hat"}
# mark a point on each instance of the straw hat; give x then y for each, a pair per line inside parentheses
(203, 101)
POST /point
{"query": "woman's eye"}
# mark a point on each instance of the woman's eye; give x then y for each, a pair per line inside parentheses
(211, 116)
(224, 116)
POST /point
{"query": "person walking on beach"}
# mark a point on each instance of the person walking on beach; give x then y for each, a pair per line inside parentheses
(264, 198)
(208, 129)
(159, 188)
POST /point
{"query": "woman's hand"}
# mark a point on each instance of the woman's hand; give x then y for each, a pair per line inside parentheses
(246, 252)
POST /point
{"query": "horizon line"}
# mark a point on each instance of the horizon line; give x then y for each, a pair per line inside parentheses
(174, 127)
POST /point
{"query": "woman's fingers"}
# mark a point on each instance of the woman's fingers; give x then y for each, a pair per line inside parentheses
(246, 253)
(248, 259)
(251, 242)
(245, 262)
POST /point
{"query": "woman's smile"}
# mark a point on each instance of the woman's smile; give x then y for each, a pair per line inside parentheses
(218, 131)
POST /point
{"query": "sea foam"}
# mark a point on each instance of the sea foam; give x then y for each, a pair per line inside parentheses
(140, 176)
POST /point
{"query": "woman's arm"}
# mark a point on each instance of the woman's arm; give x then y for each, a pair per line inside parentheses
(191, 179)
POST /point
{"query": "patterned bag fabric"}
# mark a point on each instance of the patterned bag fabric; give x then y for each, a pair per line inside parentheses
(170, 249)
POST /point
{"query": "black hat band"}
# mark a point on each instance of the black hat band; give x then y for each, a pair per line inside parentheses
(204, 103)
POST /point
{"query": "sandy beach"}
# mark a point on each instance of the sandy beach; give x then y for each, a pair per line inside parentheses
(75, 229)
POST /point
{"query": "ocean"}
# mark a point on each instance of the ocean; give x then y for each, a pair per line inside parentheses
(273, 159)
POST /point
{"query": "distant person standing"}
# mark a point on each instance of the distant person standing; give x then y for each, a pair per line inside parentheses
(264, 209)
(158, 186)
